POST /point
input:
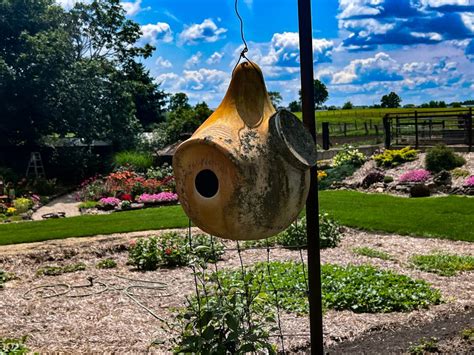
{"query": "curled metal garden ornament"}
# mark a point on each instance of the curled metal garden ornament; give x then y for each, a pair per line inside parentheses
(244, 174)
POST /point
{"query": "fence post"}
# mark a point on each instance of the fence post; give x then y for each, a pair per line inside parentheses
(416, 129)
(470, 132)
(366, 128)
(376, 129)
(386, 127)
(325, 129)
(345, 129)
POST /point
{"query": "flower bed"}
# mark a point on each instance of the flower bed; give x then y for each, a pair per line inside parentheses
(419, 175)
(160, 198)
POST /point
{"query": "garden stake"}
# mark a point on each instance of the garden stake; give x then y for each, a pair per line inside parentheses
(312, 207)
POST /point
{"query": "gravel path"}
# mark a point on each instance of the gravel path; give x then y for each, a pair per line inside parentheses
(111, 322)
(66, 203)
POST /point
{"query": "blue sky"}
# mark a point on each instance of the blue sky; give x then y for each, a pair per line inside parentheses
(363, 49)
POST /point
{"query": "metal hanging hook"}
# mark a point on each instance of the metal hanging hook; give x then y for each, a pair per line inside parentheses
(246, 48)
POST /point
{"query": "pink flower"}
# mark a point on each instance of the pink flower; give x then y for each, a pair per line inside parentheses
(109, 201)
(132, 243)
(419, 175)
(156, 198)
(469, 181)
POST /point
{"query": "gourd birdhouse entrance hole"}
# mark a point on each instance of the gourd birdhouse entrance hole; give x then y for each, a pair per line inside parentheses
(244, 174)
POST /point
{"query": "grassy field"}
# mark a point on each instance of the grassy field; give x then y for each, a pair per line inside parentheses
(441, 217)
(356, 118)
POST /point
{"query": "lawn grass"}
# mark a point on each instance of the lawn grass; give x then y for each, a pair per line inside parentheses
(439, 217)
(147, 219)
(450, 217)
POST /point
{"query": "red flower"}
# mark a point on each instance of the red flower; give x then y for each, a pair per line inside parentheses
(168, 251)
(126, 197)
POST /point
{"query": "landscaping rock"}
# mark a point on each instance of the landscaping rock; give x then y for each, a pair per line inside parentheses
(443, 178)
(420, 190)
(374, 176)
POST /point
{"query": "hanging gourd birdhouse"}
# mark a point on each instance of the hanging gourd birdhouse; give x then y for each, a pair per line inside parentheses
(244, 174)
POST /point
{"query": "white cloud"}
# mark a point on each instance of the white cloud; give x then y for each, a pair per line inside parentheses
(193, 61)
(439, 3)
(133, 7)
(68, 4)
(154, 33)
(215, 58)
(352, 8)
(163, 63)
(381, 67)
(207, 31)
(284, 50)
(433, 36)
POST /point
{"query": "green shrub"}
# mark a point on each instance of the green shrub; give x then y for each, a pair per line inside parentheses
(387, 179)
(468, 334)
(143, 253)
(137, 161)
(390, 158)
(372, 253)
(349, 156)
(22, 204)
(88, 205)
(362, 289)
(336, 174)
(460, 173)
(13, 346)
(217, 323)
(43, 186)
(173, 249)
(443, 264)
(160, 172)
(442, 158)
(295, 235)
(106, 264)
(59, 270)
(420, 190)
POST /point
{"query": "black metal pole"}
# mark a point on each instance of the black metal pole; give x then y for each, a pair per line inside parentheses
(312, 204)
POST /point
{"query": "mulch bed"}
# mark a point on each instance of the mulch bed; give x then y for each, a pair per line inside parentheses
(112, 322)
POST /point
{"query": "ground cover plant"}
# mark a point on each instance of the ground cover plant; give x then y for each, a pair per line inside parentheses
(13, 346)
(59, 270)
(443, 264)
(442, 217)
(424, 346)
(137, 161)
(106, 264)
(5, 277)
(372, 253)
(357, 288)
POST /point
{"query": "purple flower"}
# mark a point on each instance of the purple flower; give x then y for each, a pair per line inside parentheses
(419, 175)
(109, 201)
(469, 181)
(156, 198)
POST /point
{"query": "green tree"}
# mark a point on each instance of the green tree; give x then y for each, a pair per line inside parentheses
(348, 106)
(391, 100)
(178, 101)
(294, 106)
(276, 98)
(320, 93)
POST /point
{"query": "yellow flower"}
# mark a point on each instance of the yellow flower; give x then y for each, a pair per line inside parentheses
(11, 210)
(321, 174)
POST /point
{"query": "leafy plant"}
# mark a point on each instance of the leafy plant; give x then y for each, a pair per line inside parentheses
(88, 205)
(424, 346)
(442, 157)
(390, 158)
(295, 235)
(5, 277)
(372, 253)
(218, 322)
(362, 289)
(372, 178)
(459, 173)
(336, 174)
(443, 264)
(59, 270)
(420, 190)
(173, 249)
(387, 179)
(138, 161)
(106, 264)
(468, 334)
(143, 253)
(13, 346)
(22, 204)
(349, 156)
(160, 172)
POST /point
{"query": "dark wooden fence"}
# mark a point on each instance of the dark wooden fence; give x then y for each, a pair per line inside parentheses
(339, 133)
(428, 128)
